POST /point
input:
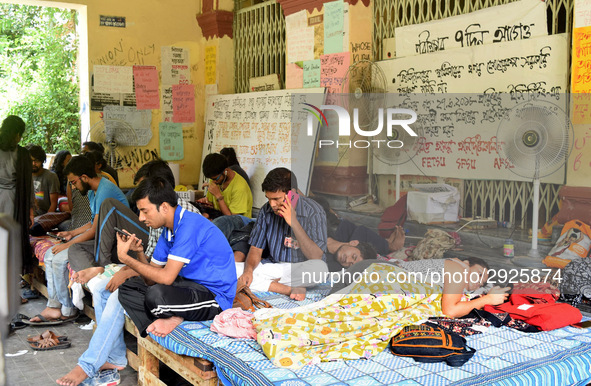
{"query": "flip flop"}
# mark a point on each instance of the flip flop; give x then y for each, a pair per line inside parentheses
(44, 335)
(17, 325)
(50, 343)
(50, 322)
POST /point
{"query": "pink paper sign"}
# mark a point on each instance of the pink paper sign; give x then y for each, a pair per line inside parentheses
(146, 87)
(183, 103)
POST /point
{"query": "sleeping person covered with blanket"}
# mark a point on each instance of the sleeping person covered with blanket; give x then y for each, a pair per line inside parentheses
(369, 304)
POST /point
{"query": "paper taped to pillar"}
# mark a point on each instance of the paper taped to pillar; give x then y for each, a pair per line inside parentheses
(433, 203)
(176, 170)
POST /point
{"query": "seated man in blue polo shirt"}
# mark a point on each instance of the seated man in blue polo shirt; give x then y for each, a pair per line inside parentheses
(290, 231)
(191, 275)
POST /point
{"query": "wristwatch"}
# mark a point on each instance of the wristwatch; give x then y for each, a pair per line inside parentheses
(220, 198)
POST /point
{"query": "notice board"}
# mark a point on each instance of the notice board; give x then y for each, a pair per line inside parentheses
(267, 130)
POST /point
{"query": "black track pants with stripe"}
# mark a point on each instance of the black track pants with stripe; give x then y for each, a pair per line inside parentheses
(184, 298)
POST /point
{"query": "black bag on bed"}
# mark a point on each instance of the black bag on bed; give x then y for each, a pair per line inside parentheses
(575, 286)
(429, 344)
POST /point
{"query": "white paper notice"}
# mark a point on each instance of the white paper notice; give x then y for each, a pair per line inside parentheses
(175, 65)
(139, 120)
(582, 13)
(113, 79)
(300, 37)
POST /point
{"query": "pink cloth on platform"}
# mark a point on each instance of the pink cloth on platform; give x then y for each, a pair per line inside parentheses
(235, 323)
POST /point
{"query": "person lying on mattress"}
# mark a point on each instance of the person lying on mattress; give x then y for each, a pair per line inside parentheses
(287, 241)
(456, 277)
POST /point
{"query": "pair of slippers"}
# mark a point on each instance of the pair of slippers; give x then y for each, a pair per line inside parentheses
(50, 321)
(48, 340)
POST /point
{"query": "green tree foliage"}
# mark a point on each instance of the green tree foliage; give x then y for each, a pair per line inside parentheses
(38, 78)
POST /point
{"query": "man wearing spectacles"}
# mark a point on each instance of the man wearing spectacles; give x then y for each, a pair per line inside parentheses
(81, 175)
(227, 192)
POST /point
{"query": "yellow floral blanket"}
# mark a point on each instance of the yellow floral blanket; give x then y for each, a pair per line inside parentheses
(355, 325)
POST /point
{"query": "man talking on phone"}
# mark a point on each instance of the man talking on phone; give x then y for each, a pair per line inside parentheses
(288, 241)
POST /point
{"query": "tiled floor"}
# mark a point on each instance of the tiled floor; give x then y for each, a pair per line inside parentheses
(42, 368)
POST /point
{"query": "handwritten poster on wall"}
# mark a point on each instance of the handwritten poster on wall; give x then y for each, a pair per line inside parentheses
(113, 79)
(519, 20)
(333, 69)
(146, 87)
(175, 65)
(138, 123)
(579, 168)
(294, 76)
(334, 25)
(582, 13)
(210, 64)
(267, 130)
(166, 110)
(581, 67)
(299, 37)
(535, 66)
(171, 141)
(183, 103)
(312, 73)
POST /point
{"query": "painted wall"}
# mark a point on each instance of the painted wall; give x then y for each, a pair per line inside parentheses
(151, 24)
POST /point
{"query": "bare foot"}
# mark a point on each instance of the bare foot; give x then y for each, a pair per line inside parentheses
(110, 366)
(163, 327)
(85, 275)
(396, 239)
(73, 378)
(48, 313)
(298, 293)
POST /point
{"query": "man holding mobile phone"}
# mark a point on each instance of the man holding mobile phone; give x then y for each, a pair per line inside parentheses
(290, 232)
(82, 176)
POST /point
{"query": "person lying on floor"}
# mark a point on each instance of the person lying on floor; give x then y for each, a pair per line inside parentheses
(343, 231)
(289, 235)
(191, 275)
(82, 176)
(472, 271)
(107, 349)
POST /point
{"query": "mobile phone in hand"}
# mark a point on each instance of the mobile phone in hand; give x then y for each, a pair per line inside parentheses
(121, 231)
(60, 238)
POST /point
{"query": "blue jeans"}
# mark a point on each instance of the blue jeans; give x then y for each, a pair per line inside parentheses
(56, 273)
(106, 344)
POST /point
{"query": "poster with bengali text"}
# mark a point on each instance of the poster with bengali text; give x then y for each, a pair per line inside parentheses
(267, 130)
(448, 91)
(519, 20)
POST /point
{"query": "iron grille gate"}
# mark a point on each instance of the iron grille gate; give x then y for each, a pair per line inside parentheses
(498, 199)
(259, 49)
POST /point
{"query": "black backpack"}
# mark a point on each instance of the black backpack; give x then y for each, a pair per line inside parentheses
(429, 344)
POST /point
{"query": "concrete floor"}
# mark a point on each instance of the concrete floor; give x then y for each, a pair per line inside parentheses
(42, 368)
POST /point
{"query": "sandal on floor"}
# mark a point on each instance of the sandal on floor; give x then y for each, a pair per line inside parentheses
(46, 334)
(104, 378)
(49, 344)
(50, 322)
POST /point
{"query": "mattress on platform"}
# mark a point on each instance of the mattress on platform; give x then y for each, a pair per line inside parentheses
(504, 356)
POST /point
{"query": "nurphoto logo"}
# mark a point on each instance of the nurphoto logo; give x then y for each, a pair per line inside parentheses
(394, 117)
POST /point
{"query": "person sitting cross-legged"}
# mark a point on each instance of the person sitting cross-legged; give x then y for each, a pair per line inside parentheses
(191, 275)
(290, 231)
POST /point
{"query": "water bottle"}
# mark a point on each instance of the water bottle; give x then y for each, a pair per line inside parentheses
(509, 248)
